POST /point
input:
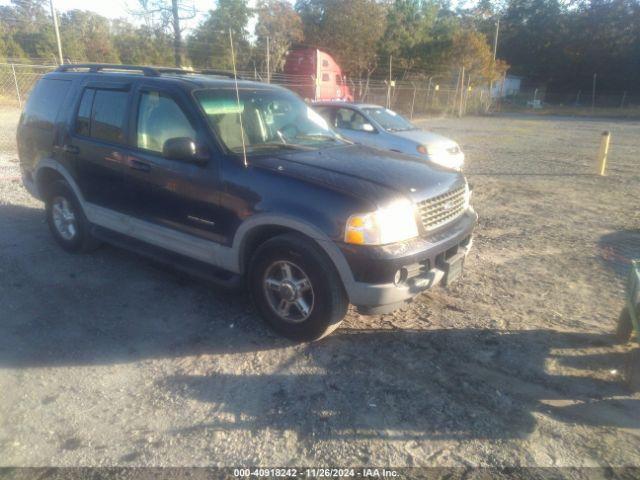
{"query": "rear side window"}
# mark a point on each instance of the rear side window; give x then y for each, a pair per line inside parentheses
(102, 115)
(45, 102)
(109, 110)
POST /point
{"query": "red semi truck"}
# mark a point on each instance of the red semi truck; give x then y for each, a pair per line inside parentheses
(317, 75)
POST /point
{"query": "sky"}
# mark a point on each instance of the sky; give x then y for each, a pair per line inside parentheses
(121, 8)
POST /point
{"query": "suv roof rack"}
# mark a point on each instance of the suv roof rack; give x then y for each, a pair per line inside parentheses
(98, 67)
(146, 71)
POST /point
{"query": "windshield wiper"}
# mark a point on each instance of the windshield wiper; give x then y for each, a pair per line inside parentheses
(321, 136)
(284, 146)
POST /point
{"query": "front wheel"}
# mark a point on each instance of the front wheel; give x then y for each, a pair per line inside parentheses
(296, 288)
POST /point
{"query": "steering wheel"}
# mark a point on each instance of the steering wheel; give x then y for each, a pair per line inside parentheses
(290, 130)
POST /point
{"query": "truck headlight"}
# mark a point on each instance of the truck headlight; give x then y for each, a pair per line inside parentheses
(391, 224)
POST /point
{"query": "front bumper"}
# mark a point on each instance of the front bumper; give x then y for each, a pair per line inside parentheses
(375, 291)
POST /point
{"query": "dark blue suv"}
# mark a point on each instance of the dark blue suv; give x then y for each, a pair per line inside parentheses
(240, 183)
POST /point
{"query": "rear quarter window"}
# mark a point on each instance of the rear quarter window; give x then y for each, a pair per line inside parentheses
(45, 102)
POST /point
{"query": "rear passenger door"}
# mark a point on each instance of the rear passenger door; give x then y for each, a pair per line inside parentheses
(96, 147)
(178, 194)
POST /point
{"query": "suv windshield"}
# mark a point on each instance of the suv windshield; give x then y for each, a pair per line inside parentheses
(388, 119)
(270, 119)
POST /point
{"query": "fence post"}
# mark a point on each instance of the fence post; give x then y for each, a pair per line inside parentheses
(15, 81)
(603, 152)
(413, 99)
(460, 106)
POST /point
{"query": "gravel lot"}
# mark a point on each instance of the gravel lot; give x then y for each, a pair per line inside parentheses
(108, 359)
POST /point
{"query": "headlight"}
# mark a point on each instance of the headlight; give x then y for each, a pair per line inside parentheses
(394, 223)
(447, 156)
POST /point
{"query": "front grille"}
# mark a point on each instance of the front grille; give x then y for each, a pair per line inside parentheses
(436, 211)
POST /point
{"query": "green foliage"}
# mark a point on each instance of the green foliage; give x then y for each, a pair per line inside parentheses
(282, 25)
(349, 29)
(209, 44)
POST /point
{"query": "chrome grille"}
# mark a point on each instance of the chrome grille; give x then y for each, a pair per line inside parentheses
(436, 211)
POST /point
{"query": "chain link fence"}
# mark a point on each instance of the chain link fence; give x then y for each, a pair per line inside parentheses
(16, 82)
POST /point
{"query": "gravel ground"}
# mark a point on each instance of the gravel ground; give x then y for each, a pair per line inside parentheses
(108, 359)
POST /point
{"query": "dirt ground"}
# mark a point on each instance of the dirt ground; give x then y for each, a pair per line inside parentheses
(108, 359)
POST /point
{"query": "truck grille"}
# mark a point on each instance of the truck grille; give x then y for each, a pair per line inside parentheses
(436, 211)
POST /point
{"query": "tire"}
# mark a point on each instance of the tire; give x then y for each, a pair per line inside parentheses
(324, 297)
(624, 326)
(632, 370)
(60, 202)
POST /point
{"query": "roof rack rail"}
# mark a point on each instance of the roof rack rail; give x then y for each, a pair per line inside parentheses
(97, 67)
(147, 71)
(193, 71)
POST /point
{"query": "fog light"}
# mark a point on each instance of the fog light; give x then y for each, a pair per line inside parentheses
(400, 276)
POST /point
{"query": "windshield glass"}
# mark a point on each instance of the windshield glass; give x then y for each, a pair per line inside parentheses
(270, 119)
(388, 119)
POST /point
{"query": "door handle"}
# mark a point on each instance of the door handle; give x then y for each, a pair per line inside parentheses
(138, 165)
(72, 149)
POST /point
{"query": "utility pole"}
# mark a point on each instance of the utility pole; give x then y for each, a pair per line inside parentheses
(268, 63)
(593, 92)
(461, 93)
(177, 33)
(55, 27)
(495, 51)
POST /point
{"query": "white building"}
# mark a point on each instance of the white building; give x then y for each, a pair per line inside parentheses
(509, 86)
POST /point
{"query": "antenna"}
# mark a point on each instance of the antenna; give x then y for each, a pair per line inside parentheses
(235, 76)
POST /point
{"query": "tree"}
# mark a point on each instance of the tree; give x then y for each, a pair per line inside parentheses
(168, 15)
(282, 25)
(142, 45)
(409, 30)
(209, 44)
(86, 36)
(471, 50)
(348, 29)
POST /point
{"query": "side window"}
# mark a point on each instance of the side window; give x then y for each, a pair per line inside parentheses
(351, 120)
(159, 119)
(45, 102)
(327, 114)
(83, 121)
(108, 119)
(325, 63)
(325, 77)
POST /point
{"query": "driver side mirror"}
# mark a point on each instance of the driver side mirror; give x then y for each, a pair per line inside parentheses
(367, 127)
(184, 149)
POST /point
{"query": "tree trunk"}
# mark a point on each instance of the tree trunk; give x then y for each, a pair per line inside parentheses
(177, 33)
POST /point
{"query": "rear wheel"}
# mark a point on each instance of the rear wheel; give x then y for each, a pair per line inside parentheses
(296, 288)
(66, 219)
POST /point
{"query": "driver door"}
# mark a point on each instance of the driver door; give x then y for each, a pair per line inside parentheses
(172, 193)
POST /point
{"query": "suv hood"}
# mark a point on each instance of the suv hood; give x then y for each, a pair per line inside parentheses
(365, 172)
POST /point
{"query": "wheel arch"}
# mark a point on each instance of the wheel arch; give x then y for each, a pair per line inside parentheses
(48, 171)
(261, 228)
